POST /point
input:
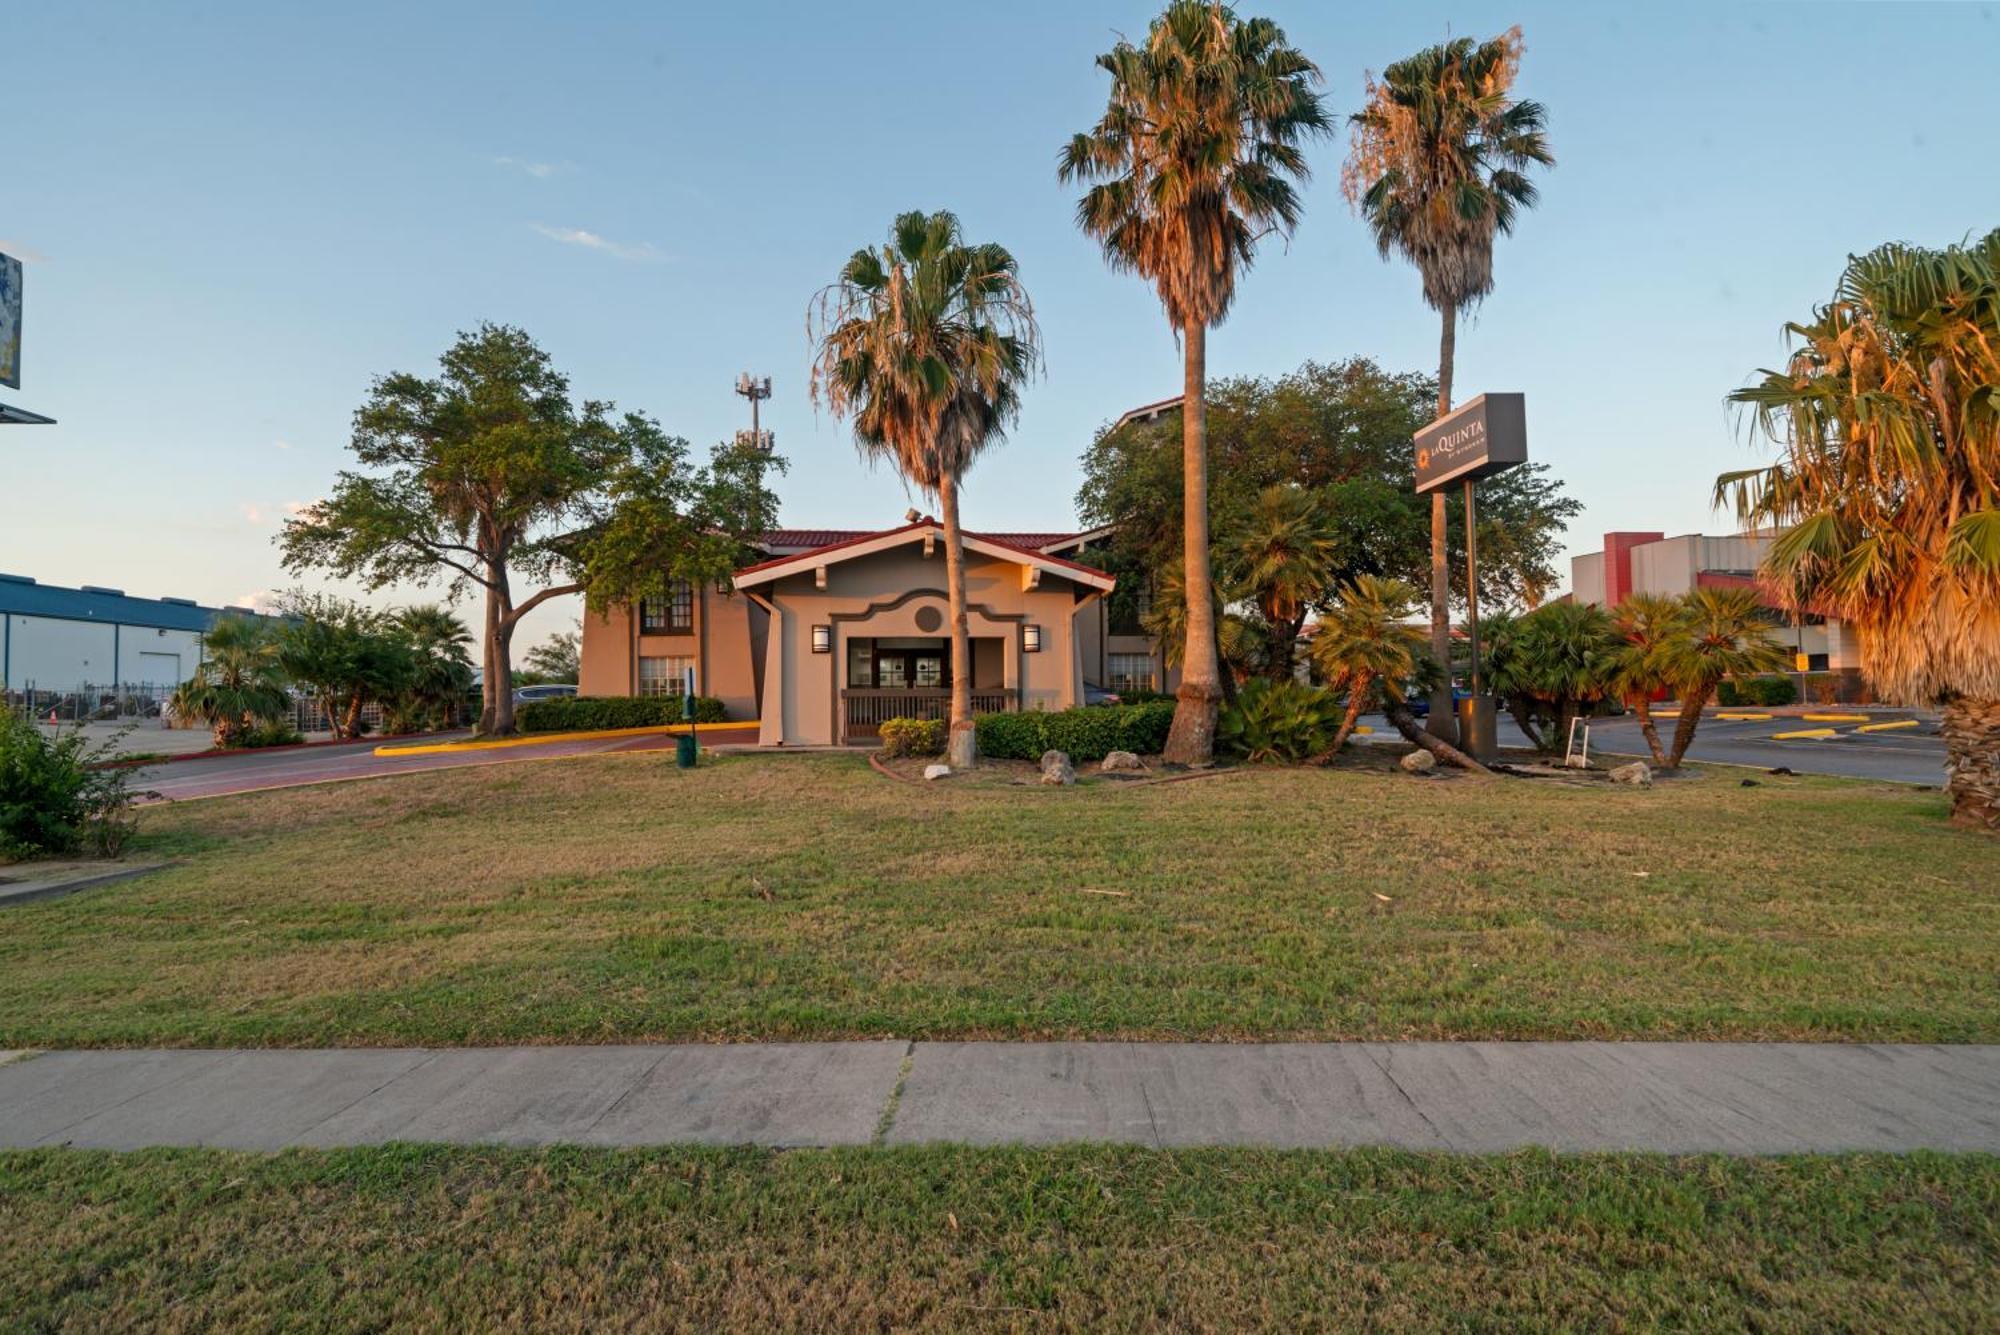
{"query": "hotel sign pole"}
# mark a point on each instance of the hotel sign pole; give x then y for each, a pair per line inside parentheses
(1485, 436)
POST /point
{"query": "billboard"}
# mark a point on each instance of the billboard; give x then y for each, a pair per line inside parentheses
(1486, 436)
(10, 322)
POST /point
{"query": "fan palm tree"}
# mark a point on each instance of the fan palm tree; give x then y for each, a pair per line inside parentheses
(1439, 168)
(925, 344)
(1194, 159)
(1239, 646)
(1564, 654)
(239, 682)
(1725, 635)
(441, 667)
(1366, 647)
(1889, 432)
(1283, 554)
(1651, 629)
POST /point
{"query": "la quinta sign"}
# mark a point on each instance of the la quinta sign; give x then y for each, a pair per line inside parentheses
(1485, 436)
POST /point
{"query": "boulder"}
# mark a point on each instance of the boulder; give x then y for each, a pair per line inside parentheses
(1056, 769)
(1121, 760)
(1419, 761)
(937, 771)
(1638, 774)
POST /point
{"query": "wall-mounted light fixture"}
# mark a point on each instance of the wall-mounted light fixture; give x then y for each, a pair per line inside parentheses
(822, 639)
(1031, 639)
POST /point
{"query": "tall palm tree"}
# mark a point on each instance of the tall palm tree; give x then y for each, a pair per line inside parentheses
(1888, 428)
(239, 681)
(1195, 159)
(1438, 169)
(925, 344)
(1283, 553)
(1366, 647)
(1651, 629)
(1725, 635)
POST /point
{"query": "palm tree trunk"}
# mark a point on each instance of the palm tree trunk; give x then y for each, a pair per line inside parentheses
(962, 746)
(1357, 695)
(1690, 719)
(1441, 701)
(1971, 733)
(1643, 707)
(1191, 740)
(1406, 723)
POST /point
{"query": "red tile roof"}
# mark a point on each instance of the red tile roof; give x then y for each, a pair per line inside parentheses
(806, 539)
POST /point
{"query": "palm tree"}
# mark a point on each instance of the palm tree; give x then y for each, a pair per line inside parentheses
(441, 668)
(1283, 554)
(1889, 434)
(1438, 169)
(1366, 647)
(1563, 657)
(1239, 646)
(1725, 635)
(239, 681)
(1194, 159)
(925, 344)
(1651, 629)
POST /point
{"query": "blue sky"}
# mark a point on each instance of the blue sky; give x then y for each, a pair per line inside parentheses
(234, 215)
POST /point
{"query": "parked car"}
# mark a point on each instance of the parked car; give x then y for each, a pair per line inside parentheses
(1420, 701)
(524, 695)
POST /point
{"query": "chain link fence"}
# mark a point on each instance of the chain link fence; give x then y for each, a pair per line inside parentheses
(132, 702)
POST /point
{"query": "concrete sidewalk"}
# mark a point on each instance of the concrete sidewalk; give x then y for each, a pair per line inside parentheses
(1746, 1098)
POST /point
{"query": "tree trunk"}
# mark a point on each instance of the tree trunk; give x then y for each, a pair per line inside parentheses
(1690, 719)
(1191, 740)
(503, 669)
(1406, 723)
(1643, 707)
(1357, 696)
(1524, 719)
(1442, 705)
(496, 715)
(489, 673)
(1971, 731)
(353, 728)
(962, 746)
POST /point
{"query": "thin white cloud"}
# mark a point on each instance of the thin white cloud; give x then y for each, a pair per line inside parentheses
(252, 512)
(541, 171)
(282, 444)
(642, 251)
(258, 600)
(297, 508)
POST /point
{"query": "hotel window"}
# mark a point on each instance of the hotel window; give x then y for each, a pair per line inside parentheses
(671, 615)
(861, 663)
(1131, 672)
(665, 675)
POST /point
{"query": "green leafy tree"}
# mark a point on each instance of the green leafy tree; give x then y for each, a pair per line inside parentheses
(925, 344)
(558, 658)
(1887, 423)
(489, 473)
(347, 655)
(240, 681)
(1366, 647)
(1193, 161)
(1340, 432)
(1726, 634)
(1441, 152)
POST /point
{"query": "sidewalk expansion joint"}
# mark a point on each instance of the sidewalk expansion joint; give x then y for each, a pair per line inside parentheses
(895, 1099)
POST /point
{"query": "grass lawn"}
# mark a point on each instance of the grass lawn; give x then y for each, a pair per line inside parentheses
(1081, 1238)
(616, 898)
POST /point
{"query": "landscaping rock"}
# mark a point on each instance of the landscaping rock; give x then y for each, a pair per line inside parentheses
(1121, 760)
(1638, 774)
(937, 771)
(1056, 769)
(1419, 762)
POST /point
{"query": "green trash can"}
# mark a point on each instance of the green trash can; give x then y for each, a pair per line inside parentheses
(684, 751)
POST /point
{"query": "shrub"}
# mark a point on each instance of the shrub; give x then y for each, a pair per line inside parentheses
(913, 736)
(52, 800)
(1278, 720)
(1823, 688)
(1772, 690)
(268, 734)
(1085, 734)
(589, 713)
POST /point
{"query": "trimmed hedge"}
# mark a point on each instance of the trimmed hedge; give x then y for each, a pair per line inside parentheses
(914, 736)
(589, 713)
(1731, 692)
(1089, 733)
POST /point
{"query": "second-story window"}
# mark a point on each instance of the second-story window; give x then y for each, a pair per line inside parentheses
(671, 615)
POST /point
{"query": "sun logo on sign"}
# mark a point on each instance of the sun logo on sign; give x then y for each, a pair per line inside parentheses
(1423, 460)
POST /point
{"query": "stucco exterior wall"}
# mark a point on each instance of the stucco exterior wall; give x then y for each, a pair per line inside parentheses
(720, 644)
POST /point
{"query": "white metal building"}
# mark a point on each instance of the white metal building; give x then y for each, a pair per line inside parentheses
(55, 639)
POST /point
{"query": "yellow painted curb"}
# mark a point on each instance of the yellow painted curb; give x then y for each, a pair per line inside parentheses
(1835, 718)
(1804, 732)
(544, 738)
(1746, 718)
(1887, 727)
